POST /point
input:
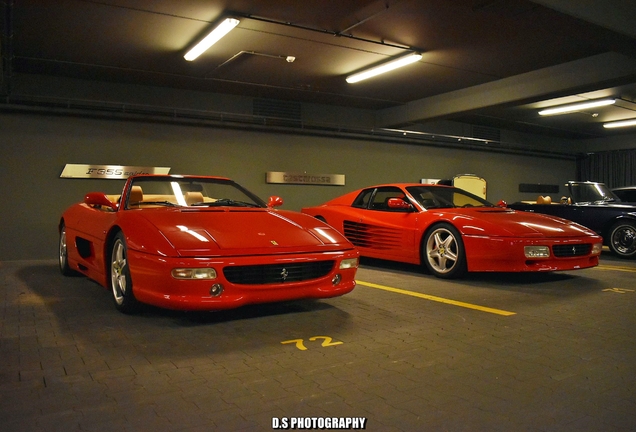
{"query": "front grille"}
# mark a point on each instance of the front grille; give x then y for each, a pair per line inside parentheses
(277, 273)
(564, 251)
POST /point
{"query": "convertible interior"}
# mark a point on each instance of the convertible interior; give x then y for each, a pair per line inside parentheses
(138, 199)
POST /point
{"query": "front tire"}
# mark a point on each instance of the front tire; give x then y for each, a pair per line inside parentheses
(120, 281)
(443, 252)
(622, 239)
(65, 269)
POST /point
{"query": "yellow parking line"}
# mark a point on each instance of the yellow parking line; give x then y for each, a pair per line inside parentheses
(616, 268)
(437, 299)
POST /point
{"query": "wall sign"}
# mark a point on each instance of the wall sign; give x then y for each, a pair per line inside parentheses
(108, 171)
(305, 178)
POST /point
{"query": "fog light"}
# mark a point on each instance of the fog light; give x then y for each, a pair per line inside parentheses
(216, 290)
(597, 248)
(349, 263)
(336, 279)
(537, 251)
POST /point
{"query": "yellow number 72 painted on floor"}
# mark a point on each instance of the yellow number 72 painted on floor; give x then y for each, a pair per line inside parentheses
(300, 343)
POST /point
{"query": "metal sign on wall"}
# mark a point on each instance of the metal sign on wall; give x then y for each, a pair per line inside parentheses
(108, 171)
(305, 178)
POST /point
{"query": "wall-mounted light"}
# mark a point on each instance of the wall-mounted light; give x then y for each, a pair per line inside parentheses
(384, 67)
(564, 109)
(219, 31)
(618, 124)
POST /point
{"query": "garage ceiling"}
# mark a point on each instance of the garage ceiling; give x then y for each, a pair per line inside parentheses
(485, 62)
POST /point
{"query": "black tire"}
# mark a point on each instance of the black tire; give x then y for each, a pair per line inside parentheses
(63, 254)
(121, 285)
(443, 252)
(622, 239)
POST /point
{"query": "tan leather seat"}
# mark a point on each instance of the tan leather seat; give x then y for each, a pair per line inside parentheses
(136, 195)
(544, 200)
(193, 198)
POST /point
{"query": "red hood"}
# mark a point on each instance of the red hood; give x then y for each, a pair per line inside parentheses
(212, 232)
(511, 223)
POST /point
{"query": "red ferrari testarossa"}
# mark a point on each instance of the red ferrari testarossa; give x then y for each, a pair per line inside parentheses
(452, 231)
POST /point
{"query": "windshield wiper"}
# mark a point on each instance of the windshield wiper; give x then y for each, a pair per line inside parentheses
(226, 202)
(167, 203)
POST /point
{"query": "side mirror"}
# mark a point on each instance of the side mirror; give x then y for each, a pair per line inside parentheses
(502, 204)
(398, 204)
(99, 199)
(275, 201)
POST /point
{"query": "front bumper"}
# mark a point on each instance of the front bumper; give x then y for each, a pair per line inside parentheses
(503, 254)
(153, 283)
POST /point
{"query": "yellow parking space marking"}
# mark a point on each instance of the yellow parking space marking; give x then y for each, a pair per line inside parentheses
(437, 299)
(616, 268)
(618, 290)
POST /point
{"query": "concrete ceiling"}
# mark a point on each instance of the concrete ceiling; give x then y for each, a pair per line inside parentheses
(485, 62)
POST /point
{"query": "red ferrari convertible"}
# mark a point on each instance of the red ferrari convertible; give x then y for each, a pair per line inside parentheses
(201, 243)
(452, 231)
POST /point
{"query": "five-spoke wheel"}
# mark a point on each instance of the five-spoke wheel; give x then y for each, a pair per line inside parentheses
(443, 252)
(63, 254)
(120, 280)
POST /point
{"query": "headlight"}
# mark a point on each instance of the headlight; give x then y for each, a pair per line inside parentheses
(597, 248)
(349, 263)
(537, 251)
(194, 273)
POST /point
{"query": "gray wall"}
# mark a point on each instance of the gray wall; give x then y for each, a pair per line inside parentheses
(36, 147)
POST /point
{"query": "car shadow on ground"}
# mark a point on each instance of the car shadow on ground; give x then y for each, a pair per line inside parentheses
(416, 270)
(79, 296)
(551, 283)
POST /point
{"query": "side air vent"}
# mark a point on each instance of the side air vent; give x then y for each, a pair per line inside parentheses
(278, 112)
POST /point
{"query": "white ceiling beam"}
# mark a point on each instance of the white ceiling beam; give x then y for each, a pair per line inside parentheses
(543, 83)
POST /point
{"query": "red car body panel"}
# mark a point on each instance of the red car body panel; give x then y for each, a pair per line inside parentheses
(162, 238)
(494, 238)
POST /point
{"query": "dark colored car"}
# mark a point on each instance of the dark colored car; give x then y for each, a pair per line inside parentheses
(593, 205)
(626, 194)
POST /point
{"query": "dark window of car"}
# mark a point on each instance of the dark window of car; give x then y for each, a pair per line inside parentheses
(380, 200)
(626, 195)
(362, 201)
(591, 192)
(445, 197)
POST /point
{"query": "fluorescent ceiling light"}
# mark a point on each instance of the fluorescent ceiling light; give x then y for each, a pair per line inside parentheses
(385, 67)
(219, 31)
(563, 109)
(622, 123)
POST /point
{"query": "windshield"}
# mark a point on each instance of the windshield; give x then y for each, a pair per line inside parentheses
(169, 191)
(445, 197)
(591, 192)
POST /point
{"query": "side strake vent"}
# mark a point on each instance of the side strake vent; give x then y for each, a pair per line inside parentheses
(486, 133)
(369, 236)
(277, 111)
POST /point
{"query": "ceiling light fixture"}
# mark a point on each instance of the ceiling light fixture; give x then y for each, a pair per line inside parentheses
(618, 124)
(385, 67)
(219, 31)
(563, 109)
